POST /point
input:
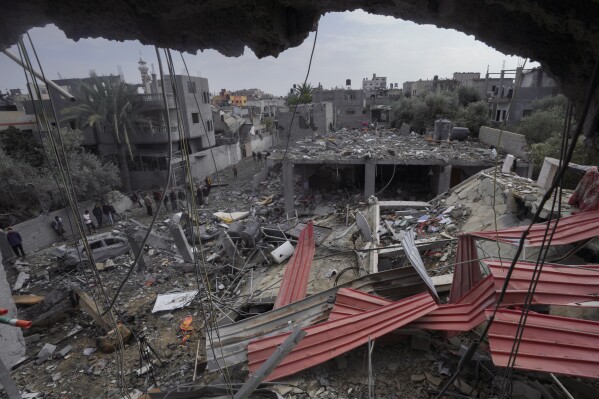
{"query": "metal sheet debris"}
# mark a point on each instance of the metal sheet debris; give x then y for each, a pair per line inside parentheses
(295, 280)
(413, 256)
(320, 232)
(173, 301)
(333, 338)
(549, 343)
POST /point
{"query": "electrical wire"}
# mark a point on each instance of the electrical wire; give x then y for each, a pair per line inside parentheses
(546, 196)
(161, 202)
(71, 194)
(297, 104)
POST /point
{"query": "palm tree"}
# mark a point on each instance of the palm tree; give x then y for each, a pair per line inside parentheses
(110, 107)
(300, 94)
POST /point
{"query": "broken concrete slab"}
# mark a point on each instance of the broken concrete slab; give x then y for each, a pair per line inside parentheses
(45, 353)
(173, 301)
(181, 242)
(402, 205)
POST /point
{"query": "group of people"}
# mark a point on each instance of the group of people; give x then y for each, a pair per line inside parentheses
(104, 214)
(257, 156)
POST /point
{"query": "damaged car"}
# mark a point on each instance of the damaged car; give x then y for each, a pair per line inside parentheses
(103, 246)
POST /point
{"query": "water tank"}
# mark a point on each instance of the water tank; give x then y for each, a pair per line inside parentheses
(459, 133)
(442, 129)
(348, 82)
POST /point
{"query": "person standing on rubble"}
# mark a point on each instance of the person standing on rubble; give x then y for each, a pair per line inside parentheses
(266, 156)
(58, 226)
(15, 241)
(106, 209)
(235, 172)
(259, 156)
(173, 198)
(166, 199)
(87, 219)
(148, 203)
(254, 156)
(98, 213)
(181, 197)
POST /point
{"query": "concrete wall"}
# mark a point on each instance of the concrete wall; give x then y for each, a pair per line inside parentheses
(37, 232)
(260, 143)
(224, 156)
(524, 99)
(309, 119)
(512, 143)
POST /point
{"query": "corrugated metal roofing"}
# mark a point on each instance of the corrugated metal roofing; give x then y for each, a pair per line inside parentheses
(467, 270)
(333, 338)
(463, 316)
(549, 343)
(570, 229)
(231, 342)
(295, 280)
(558, 284)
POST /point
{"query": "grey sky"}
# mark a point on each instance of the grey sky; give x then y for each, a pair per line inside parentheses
(351, 45)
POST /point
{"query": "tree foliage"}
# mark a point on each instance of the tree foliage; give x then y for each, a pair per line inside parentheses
(111, 108)
(420, 112)
(30, 187)
(467, 95)
(473, 116)
(541, 125)
(300, 94)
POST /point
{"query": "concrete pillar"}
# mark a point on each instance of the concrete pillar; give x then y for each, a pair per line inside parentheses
(288, 186)
(369, 179)
(443, 179)
(141, 264)
(181, 242)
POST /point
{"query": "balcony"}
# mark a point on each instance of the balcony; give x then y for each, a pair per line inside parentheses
(156, 101)
(154, 134)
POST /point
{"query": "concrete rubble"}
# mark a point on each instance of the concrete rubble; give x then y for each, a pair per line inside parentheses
(72, 345)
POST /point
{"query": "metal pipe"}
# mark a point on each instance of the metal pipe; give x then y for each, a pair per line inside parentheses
(558, 382)
(48, 82)
(15, 322)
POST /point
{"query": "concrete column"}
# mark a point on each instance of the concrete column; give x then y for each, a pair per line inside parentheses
(288, 186)
(141, 264)
(181, 242)
(443, 179)
(369, 179)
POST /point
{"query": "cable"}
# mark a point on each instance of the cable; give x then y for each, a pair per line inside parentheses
(297, 104)
(167, 183)
(548, 193)
(390, 180)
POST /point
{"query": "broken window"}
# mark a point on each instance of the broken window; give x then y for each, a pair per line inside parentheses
(191, 87)
(195, 117)
(112, 241)
(205, 97)
(209, 126)
(95, 245)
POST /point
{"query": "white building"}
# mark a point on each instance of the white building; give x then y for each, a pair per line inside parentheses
(374, 84)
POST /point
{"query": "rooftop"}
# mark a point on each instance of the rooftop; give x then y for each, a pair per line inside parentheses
(386, 146)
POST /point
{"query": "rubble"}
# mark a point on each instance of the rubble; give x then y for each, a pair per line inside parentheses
(226, 300)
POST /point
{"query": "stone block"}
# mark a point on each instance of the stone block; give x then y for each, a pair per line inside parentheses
(64, 351)
(45, 353)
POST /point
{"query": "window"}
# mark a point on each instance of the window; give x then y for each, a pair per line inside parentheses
(112, 241)
(195, 117)
(95, 245)
(209, 125)
(503, 115)
(191, 87)
(350, 112)
(498, 116)
(205, 97)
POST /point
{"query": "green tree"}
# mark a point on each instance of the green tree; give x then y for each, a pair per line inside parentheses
(473, 116)
(300, 94)
(28, 188)
(22, 145)
(541, 125)
(110, 107)
(467, 95)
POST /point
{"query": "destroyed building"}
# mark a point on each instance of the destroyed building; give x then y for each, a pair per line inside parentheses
(331, 332)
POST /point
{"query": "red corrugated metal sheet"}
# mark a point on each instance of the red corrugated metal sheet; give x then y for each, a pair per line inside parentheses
(569, 229)
(467, 270)
(295, 280)
(549, 343)
(462, 316)
(333, 338)
(349, 302)
(558, 284)
(468, 313)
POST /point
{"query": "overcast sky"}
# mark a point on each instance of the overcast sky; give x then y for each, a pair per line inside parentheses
(350, 45)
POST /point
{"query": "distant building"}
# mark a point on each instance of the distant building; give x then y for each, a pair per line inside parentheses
(376, 83)
(226, 98)
(436, 85)
(348, 105)
(310, 119)
(466, 78)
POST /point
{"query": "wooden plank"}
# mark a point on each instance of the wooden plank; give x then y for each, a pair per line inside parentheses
(27, 299)
(88, 305)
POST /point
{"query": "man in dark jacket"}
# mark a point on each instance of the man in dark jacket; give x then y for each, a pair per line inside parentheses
(173, 196)
(97, 211)
(15, 241)
(106, 209)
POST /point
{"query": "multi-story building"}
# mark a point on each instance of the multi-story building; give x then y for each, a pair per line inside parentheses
(374, 84)
(348, 105)
(226, 98)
